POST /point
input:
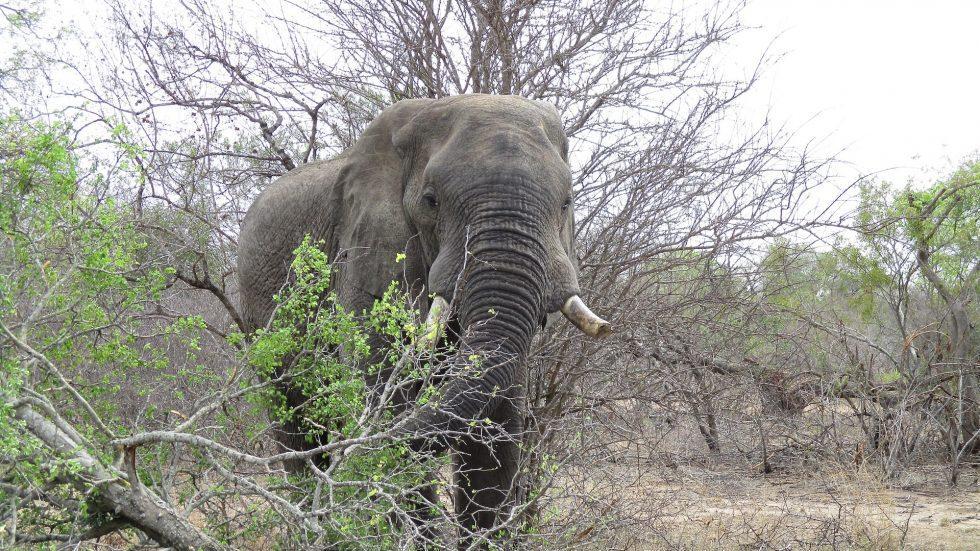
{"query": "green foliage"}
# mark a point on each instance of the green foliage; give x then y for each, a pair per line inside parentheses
(79, 279)
(75, 286)
(946, 220)
(76, 257)
(320, 345)
(893, 224)
(24, 16)
(891, 376)
(310, 321)
(943, 220)
(877, 279)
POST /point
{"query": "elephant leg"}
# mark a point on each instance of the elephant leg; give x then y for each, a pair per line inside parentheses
(420, 505)
(292, 435)
(421, 510)
(486, 480)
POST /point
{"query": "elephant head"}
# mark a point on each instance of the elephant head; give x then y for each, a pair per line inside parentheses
(484, 190)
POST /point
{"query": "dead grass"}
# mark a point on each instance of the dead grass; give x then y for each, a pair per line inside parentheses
(719, 506)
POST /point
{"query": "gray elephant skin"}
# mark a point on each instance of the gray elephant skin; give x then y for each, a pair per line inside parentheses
(476, 191)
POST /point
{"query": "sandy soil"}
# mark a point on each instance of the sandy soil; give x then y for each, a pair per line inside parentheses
(718, 508)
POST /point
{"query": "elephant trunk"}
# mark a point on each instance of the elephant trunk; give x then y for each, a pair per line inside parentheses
(499, 306)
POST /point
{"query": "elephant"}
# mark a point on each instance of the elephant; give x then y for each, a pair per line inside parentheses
(473, 194)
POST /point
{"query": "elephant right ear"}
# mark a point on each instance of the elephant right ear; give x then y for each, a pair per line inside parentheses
(373, 228)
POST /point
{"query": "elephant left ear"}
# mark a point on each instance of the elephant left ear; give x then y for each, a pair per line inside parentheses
(556, 133)
(554, 129)
(374, 230)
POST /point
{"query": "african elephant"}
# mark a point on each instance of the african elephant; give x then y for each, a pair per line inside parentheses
(476, 191)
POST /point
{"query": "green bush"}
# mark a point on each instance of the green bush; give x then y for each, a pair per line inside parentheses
(80, 287)
(325, 344)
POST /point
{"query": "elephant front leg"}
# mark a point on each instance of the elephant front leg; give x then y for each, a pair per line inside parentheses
(423, 512)
(486, 484)
(291, 433)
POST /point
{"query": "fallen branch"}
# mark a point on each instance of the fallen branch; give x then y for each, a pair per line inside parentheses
(112, 492)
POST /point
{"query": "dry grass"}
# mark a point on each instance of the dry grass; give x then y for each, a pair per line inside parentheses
(720, 506)
(654, 486)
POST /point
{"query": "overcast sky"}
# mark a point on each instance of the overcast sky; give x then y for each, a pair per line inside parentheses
(895, 82)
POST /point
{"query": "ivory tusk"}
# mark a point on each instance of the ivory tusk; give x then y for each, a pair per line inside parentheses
(579, 314)
(434, 322)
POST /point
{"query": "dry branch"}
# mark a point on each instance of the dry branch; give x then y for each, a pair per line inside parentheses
(113, 493)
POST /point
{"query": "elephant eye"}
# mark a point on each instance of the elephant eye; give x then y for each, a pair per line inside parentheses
(431, 200)
(565, 205)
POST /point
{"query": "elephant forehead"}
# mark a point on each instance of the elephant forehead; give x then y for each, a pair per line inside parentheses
(490, 101)
(509, 142)
(512, 157)
(490, 111)
(518, 106)
(489, 146)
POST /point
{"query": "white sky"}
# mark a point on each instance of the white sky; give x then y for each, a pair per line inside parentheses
(895, 83)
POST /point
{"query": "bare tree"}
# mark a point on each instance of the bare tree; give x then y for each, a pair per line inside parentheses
(676, 204)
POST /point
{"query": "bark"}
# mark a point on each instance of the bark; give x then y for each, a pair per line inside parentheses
(127, 499)
(961, 335)
(709, 427)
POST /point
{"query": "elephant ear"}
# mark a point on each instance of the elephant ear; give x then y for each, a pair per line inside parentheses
(556, 133)
(373, 229)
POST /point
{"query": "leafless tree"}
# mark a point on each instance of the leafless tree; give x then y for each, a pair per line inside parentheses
(677, 203)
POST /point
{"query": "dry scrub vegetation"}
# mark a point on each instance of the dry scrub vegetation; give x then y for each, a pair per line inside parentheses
(787, 371)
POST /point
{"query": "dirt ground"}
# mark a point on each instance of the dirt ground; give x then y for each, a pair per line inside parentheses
(848, 510)
(714, 507)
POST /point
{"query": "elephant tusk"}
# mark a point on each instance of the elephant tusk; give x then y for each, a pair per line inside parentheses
(579, 314)
(434, 322)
